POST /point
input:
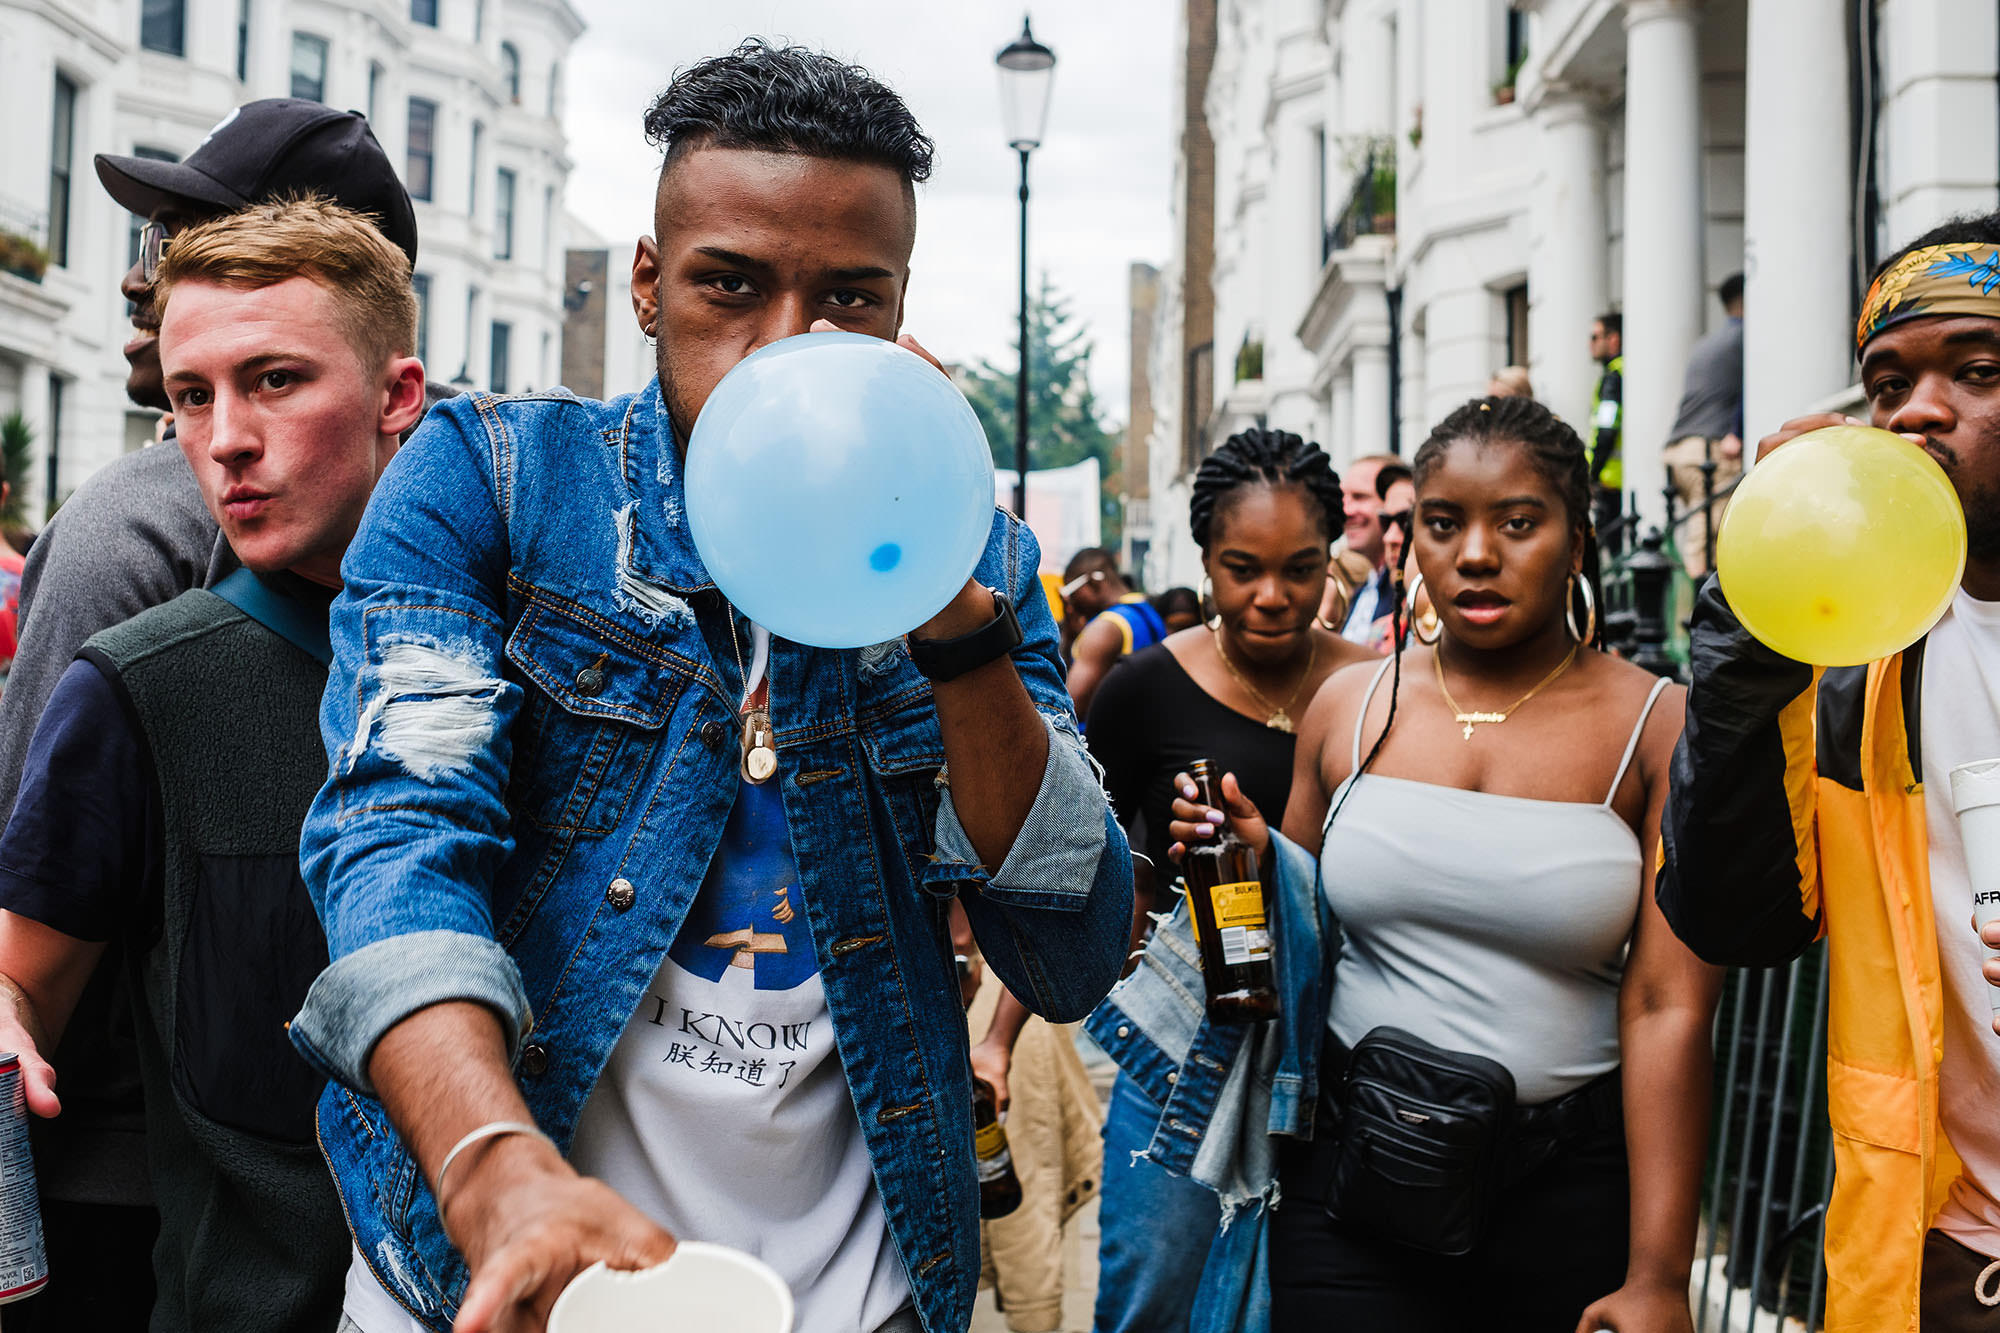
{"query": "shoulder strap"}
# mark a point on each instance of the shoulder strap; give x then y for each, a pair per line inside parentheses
(1632, 745)
(302, 627)
(1361, 720)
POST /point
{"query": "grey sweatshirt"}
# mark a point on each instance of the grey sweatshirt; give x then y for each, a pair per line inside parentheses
(135, 535)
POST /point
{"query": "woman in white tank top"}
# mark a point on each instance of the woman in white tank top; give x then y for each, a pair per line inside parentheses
(1487, 827)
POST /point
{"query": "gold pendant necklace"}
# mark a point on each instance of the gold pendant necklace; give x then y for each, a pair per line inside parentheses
(1280, 719)
(758, 740)
(760, 750)
(1469, 720)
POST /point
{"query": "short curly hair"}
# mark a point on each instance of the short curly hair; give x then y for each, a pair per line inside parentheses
(788, 99)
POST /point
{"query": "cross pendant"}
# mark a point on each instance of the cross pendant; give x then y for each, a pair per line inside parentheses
(1468, 728)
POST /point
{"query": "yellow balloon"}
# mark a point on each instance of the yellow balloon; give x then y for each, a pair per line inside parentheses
(1842, 547)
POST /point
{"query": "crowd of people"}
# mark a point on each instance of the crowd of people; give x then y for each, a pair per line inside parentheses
(421, 883)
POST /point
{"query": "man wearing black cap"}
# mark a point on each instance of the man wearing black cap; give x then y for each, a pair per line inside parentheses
(134, 536)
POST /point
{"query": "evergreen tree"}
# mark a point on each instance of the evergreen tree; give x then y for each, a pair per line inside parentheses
(1064, 423)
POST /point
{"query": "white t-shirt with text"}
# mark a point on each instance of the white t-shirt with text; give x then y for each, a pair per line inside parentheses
(1960, 723)
(724, 1113)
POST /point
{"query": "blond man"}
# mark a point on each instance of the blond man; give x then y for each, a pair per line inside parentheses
(163, 793)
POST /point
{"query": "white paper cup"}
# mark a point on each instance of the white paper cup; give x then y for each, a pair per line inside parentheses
(702, 1288)
(1975, 795)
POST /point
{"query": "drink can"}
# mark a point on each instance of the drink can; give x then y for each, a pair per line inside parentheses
(24, 1265)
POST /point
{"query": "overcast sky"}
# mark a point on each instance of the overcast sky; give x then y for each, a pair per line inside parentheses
(1100, 180)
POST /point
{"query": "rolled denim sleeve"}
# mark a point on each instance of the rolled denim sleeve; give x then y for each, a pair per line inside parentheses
(1054, 917)
(1053, 861)
(402, 845)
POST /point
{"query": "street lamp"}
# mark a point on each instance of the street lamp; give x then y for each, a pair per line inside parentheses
(1027, 70)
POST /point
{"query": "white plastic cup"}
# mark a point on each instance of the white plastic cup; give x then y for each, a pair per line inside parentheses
(702, 1286)
(1975, 796)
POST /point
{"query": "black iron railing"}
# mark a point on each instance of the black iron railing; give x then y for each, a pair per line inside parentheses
(1762, 1256)
(1370, 206)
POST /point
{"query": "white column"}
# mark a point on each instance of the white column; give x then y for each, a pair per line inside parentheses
(1370, 432)
(1340, 415)
(1367, 72)
(270, 51)
(1798, 339)
(1291, 266)
(34, 488)
(1460, 351)
(1663, 231)
(1567, 278)
(1416, 422)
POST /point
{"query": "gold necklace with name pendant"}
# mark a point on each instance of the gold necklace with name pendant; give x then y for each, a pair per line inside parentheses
(1280, 719)
(1470, 720)
(758, 740)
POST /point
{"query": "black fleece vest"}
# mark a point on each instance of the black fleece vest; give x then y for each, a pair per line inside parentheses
(251, 1232)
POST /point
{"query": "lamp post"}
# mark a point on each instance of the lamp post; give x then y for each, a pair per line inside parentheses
(1027, 71)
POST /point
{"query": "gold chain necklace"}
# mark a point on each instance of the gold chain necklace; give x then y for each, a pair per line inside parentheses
(1279, 720)
(1468, 720)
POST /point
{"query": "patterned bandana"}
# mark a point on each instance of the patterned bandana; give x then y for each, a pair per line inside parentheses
(1936, 280)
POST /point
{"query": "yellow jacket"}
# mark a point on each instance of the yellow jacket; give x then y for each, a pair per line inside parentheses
(1797, 811)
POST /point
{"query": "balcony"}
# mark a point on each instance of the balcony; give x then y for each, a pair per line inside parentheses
(1370, 209)
(23, 240)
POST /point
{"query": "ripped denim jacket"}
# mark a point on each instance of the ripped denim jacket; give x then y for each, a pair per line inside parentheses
(1224, 1090)
(530, 723)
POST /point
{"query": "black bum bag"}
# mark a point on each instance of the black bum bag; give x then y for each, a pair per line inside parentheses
(1422, 1141)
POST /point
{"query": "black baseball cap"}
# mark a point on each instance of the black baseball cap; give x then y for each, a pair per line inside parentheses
(262, 150)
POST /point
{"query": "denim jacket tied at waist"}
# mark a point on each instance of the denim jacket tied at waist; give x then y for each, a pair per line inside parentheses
(1224, 1089)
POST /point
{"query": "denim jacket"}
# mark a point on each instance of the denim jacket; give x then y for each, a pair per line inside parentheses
(1225, 1089)
(531, 725)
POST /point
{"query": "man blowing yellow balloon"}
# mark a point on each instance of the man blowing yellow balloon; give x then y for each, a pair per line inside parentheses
(1815, 802)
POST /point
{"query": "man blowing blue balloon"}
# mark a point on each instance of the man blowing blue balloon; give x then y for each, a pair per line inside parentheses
(637, 914)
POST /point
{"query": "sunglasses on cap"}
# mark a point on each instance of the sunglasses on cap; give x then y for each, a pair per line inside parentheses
(1069, 589)
(153, 240)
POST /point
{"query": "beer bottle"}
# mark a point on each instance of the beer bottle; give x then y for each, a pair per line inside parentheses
(1226, 902)
(999, 1187)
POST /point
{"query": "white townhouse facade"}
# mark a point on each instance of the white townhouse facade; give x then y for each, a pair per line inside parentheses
(1410, 194)
(465, 96)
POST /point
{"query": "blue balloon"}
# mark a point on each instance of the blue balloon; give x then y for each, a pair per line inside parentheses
(839, 489)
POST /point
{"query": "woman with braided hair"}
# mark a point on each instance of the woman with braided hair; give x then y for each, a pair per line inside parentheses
(1265, 509)
(1484, 832)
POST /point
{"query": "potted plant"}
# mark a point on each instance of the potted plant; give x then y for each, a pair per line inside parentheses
(1503, 91)
(1250, 360)
(20, 255)
(17, 455)
(1382, 189)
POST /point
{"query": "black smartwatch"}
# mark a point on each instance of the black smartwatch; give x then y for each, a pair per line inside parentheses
(948, 659)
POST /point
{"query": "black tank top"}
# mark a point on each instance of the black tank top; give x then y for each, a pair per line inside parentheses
(1149, 719)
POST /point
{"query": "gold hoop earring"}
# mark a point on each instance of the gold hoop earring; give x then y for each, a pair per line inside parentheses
(1343, 604)
(1208, 601)
(1417, 622)
(1575, 585)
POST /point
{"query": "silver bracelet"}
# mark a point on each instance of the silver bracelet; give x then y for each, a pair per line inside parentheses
(492, 1129)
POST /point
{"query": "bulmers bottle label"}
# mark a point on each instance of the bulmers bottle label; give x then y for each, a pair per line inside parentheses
(989, 1146)
(1239, 920)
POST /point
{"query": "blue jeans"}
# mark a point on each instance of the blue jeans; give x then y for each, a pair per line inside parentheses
(1155, 1228)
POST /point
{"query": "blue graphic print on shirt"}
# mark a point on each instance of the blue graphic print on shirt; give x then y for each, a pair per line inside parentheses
(748, 913)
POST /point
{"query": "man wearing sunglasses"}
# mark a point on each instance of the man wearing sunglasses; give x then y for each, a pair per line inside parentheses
(134, 536)
(1116, 622)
